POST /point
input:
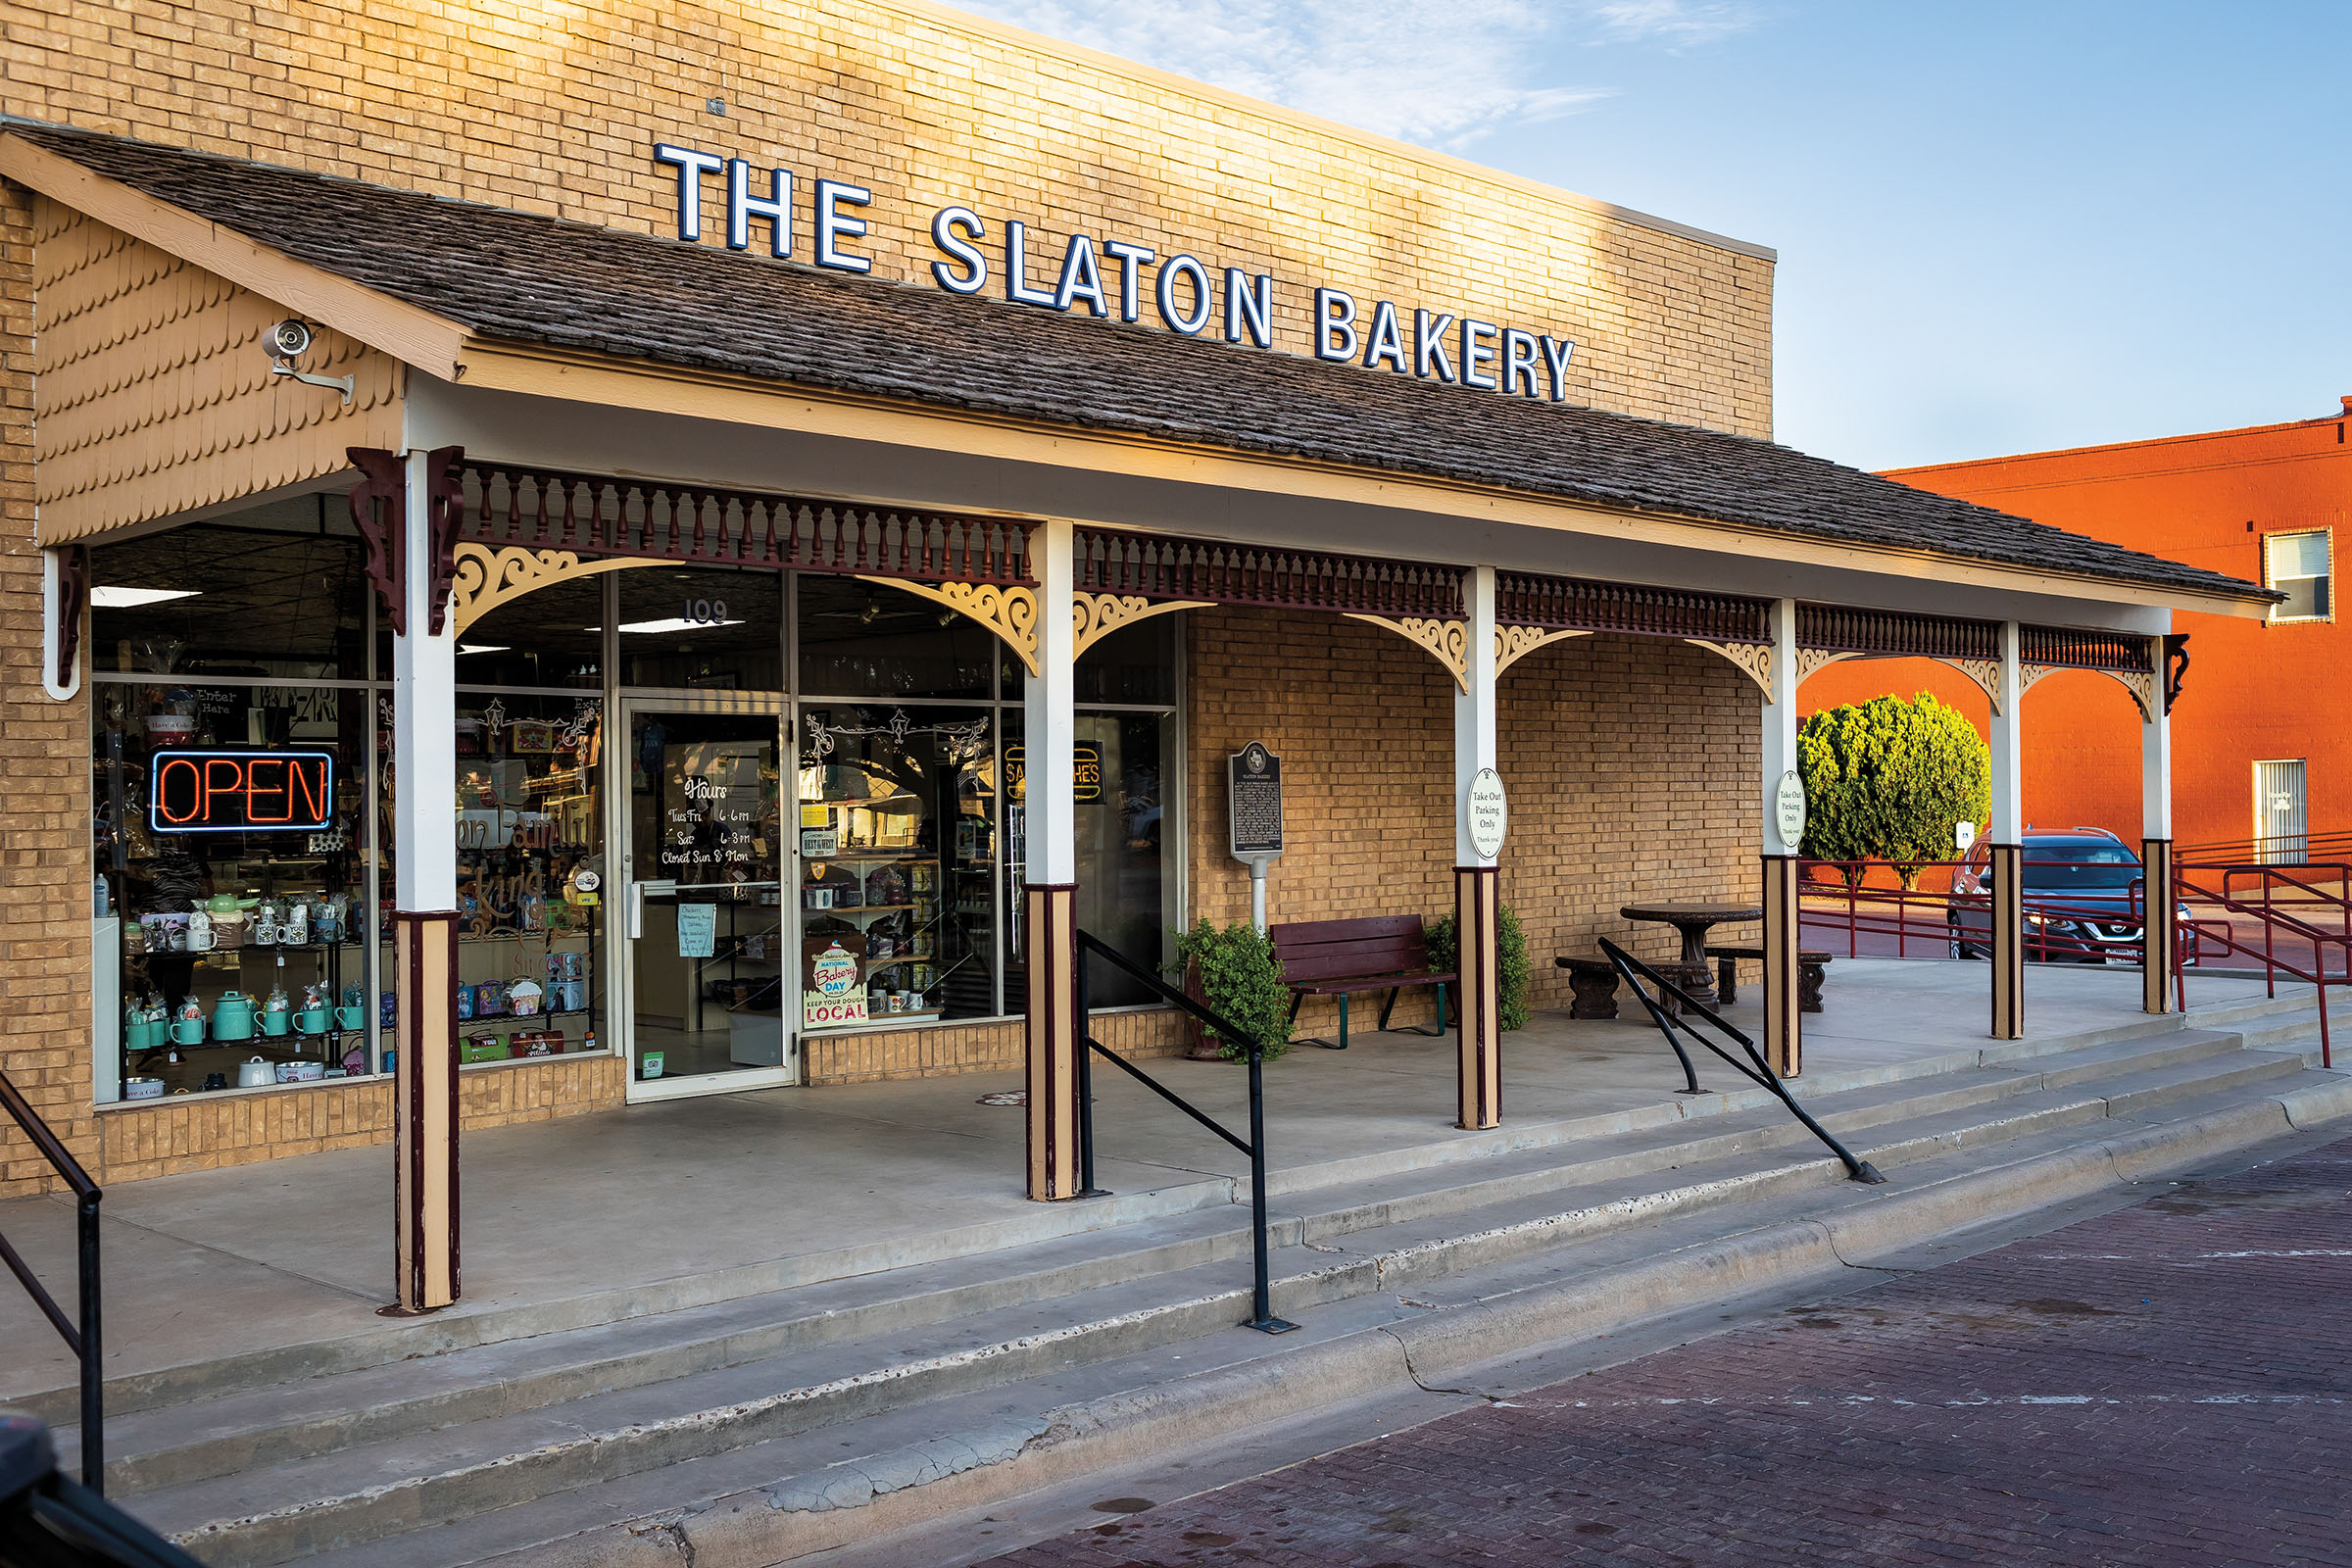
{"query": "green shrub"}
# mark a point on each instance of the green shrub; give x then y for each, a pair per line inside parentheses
(1889, 779)
(1242, 982)
(1444, 953)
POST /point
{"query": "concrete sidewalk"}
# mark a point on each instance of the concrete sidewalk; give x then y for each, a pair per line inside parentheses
(622, 1214)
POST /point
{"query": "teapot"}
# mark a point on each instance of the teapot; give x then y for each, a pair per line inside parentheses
(233, 1016)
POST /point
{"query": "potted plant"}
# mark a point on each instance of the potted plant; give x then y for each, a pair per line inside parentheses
(1232, 971)
(1444, 953)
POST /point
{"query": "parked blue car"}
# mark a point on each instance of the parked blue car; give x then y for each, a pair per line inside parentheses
(2081, 902)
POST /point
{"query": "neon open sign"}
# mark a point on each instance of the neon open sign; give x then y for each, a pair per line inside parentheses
(241, 791)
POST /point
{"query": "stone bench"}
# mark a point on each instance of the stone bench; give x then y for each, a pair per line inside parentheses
(1812, 969)
(1593, 981)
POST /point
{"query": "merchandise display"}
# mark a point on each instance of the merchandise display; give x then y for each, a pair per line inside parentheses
(223, 917)
(529, 856)
(896, 824)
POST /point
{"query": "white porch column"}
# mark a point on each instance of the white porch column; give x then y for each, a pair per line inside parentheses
(1477, 900)
(2005, 852)
(424, 870)
(2160, 936)
(1784, 1045)
(1050, 872)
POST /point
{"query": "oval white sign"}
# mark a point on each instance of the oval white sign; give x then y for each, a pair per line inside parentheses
(1788, 811)
(1487, 813)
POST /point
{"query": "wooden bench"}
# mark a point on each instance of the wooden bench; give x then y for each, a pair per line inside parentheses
(1593, 981)
(1812, 969)
(1339, 957)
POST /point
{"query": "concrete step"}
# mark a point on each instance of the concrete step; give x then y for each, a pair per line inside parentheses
(172, 1446)
(364, 1482)
(796, 1496)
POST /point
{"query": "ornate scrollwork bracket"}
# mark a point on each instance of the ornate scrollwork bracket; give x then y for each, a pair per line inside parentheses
(1987, 673)
(1098, 616)
(2140, 683)
(1009, 612)
(485, 577)
(1514, 643)
(1753, 659)
(379, 512)
(1445, 641)
(1812, 660)
(2175, 667)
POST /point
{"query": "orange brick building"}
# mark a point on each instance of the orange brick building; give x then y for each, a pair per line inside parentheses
(2262, 729)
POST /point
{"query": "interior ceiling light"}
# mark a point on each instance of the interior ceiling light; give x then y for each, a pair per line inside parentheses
(872, 612)
(674, 624)
(484, 647)
(133, 598)
(947, 617)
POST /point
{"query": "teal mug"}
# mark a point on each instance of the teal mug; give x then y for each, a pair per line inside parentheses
(274, 1023)
(351, 1018)
(310, 1021)
(188, 1031)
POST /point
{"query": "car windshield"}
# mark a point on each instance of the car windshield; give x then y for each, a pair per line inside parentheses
(2062, 867)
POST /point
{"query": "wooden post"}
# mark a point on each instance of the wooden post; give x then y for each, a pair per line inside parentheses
(424, 860)
(2161, 937)
(2005, 851)
(1783, 1017)
(1049, 894)
(1476, 888)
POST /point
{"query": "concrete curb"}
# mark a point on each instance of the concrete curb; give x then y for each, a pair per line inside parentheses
(863, 1498)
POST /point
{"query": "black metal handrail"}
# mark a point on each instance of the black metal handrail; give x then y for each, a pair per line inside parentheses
(85, 1338)
(1756, 1069)
(1261, 1306)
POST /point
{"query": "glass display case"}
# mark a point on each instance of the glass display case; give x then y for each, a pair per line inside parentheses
(898, 856)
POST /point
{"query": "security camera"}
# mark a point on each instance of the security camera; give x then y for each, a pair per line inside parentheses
(289, 340)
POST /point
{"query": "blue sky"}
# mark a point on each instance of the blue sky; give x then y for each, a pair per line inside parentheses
(2002, 228)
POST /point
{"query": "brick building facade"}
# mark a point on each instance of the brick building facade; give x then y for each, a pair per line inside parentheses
(1547, 539)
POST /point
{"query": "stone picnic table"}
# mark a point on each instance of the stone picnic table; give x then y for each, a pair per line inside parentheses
(1694, 921)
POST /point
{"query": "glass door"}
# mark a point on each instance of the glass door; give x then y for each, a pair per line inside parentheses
(708, 927)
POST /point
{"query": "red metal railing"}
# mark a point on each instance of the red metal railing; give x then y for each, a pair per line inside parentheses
(2294, 907)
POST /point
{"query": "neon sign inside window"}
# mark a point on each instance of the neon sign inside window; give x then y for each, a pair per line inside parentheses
(241, 791)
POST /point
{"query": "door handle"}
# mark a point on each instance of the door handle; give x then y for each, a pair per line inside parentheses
(636, 911)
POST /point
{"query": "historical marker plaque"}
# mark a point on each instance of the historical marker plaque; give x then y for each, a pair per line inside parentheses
(1253, 802)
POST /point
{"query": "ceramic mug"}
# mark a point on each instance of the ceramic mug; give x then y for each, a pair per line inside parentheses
(310, 1021)
(274, 1023)
(187, 1031)
(351, 1018)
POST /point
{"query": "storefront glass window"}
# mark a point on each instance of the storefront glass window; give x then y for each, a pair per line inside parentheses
(232, 601)
(1125, 896)
(230, 838)
(700, 629)
(897, 823)
(860, 639)
(530, 875)
(1135, 665)
(553, 637)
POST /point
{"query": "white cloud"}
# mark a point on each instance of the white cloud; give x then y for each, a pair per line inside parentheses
(1675, 22)
(1442, 76)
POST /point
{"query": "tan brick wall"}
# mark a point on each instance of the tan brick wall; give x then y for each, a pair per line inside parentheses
(1626, 760)
(45, 756)
(886, 1053)
(555, 107)
(204, 1132)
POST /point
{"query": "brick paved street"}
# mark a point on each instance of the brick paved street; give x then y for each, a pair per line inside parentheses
(2168, 1384)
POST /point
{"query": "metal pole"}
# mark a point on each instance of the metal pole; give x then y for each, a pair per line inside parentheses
(1086, 1085)
(93, 1366)
(1258, 894)
(1261, 1302)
